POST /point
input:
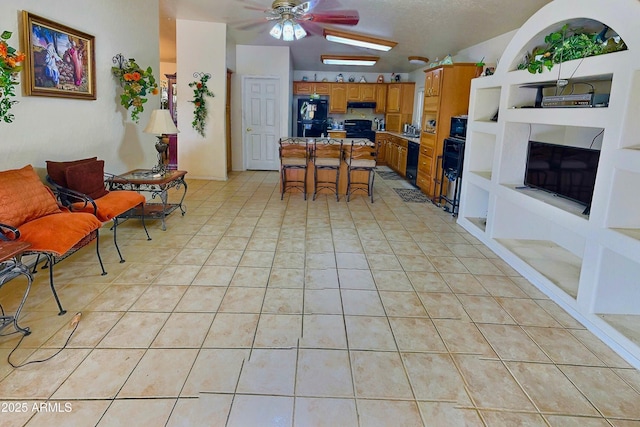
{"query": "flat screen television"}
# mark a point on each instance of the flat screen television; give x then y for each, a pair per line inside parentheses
(568, 172)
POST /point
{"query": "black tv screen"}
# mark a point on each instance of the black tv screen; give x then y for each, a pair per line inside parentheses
(569, 172)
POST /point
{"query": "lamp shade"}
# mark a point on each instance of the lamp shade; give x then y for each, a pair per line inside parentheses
(161, 123)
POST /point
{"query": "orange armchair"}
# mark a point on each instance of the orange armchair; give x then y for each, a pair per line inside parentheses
(80, 186)
(29, 213)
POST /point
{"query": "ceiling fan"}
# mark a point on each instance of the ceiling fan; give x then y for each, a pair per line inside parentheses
(289, 14)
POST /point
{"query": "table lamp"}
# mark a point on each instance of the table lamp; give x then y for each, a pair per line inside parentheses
(161, 124)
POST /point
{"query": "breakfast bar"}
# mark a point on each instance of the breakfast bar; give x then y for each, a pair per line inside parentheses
(305, 170)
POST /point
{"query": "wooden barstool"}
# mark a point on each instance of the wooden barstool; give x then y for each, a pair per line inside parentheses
(361, 157)
(327, 155)
(294, 156)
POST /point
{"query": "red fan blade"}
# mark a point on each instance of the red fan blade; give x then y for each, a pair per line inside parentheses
(339, 17)
(313, 28)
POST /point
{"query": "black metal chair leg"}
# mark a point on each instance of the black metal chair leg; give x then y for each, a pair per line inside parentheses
(304, 184)
(144, 225)
(283, 175)
(315, 182)
(53, 288)
(115, 238)
(104, 273)
(337, 181)
(372, 176)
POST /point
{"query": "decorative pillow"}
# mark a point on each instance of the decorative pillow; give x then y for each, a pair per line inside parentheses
(23, 197)
(87, 178)
(56, 170)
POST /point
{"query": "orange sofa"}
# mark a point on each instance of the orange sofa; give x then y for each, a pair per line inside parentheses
(29, 212)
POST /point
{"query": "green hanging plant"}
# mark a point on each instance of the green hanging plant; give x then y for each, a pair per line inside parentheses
(567, 44)
(200, 91)
(10, 59)
(136, 84)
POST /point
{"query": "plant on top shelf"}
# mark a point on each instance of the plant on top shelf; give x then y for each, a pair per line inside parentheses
(567, 44)
(10, 59)
(136, 84)
(199, 92)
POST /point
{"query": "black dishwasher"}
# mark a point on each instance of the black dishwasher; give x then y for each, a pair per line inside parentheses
(413, 150)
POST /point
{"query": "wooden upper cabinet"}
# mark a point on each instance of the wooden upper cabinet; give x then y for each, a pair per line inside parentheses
(394, 96)
(368, 92)
(302, 88)
(353, 92)
(432, 82)
(308, 88)
(338, 99)
(406, 99)
(322, 88)
(381, 98)
(361, 92)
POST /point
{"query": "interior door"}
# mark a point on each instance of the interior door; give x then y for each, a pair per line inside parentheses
(261, 122)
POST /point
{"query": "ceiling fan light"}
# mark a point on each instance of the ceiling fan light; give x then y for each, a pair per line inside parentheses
(418, 60)
(298, 31)
(358, 40)
(276, 31)
(287, 31)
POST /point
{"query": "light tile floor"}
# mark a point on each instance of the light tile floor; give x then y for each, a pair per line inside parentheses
(252, 311)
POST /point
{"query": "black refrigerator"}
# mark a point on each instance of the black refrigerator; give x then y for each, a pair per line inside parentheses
(312, 117)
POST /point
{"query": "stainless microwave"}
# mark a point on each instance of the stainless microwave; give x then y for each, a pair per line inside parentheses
(458, 127)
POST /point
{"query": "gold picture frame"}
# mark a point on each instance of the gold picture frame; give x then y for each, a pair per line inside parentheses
(60, 61)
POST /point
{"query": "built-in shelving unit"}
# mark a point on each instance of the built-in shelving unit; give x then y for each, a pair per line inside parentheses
(586, 261)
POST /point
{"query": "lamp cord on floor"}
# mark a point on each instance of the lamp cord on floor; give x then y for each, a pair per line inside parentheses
(74, 322)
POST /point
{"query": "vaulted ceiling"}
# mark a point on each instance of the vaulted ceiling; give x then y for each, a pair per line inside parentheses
(429, 28)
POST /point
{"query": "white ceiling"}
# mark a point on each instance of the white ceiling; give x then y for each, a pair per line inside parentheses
(430, 28)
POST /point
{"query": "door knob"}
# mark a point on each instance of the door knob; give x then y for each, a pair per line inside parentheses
(249, 129)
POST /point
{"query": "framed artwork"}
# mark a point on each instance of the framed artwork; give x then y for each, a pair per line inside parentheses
(60, 61)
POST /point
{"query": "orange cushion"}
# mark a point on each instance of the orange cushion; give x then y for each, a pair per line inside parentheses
(114, 203)
(23, 197)
(56, 170)
(87, 178)
(58, 233)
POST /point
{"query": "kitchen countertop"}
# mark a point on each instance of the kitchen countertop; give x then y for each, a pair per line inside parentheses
(408, 138)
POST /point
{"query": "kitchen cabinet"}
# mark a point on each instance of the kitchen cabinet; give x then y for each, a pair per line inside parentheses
(432, 82)
(308, 88)
(399, 105)
(337, 134)
(361, 92)
(397, 154)
(425, 159)
(368, 92)
(338, 99)
(446, 94)
(341, 93)
(382, 139)
(381, 98)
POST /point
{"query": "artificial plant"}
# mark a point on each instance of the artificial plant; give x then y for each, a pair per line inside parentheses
(200, 91)
(567, 44)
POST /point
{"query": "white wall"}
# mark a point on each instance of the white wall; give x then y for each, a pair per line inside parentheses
(63, 129)
(269, 61)
(491, 50)
(202, 48)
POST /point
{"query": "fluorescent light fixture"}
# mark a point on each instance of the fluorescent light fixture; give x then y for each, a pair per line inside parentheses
(358, 40)
(349, 60)
(418, 60)
(287, 31)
